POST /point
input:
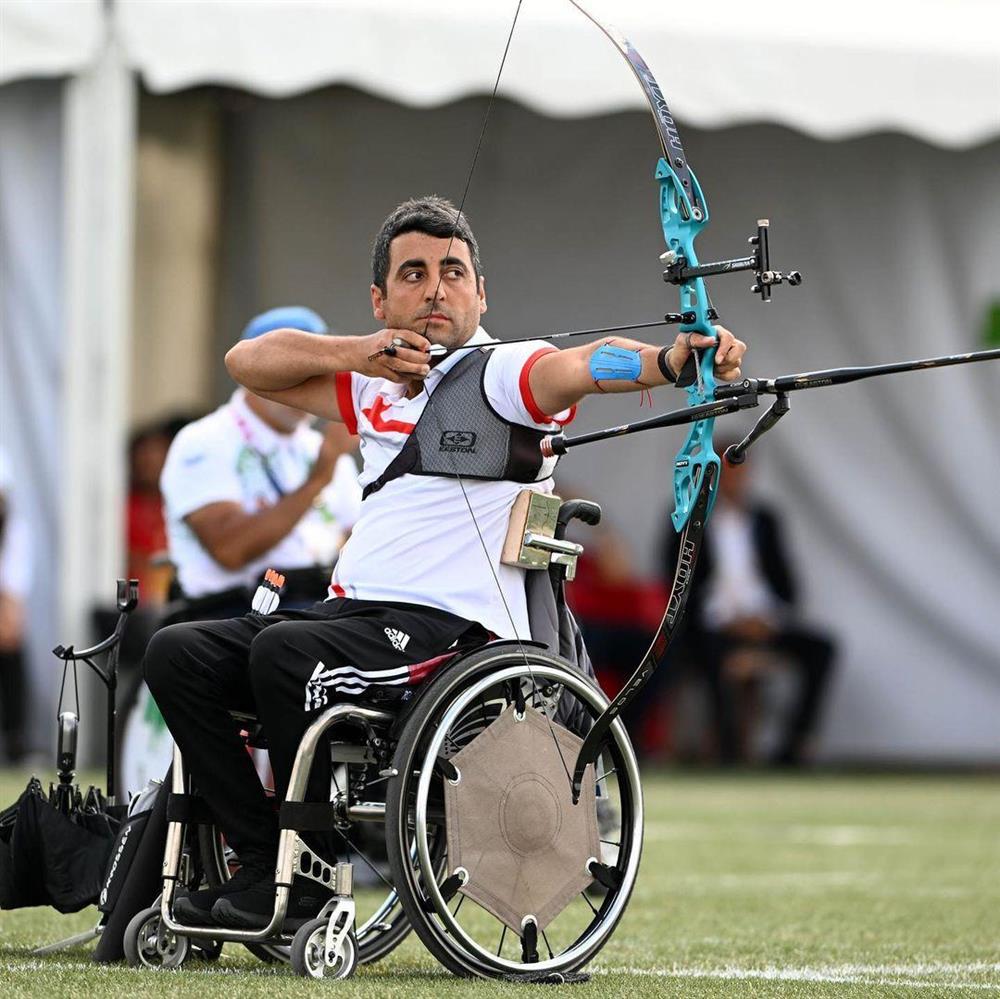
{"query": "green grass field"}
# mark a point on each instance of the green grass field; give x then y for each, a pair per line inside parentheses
(751, 885)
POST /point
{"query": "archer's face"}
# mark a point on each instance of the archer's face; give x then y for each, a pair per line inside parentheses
(419, 267)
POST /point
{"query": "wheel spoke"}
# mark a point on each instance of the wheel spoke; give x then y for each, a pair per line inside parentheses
(367, 860)
(469, 712)
(548, 947)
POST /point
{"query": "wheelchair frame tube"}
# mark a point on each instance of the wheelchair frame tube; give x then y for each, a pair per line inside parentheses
(288, 848)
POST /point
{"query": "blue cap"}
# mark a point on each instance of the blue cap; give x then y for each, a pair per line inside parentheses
(291, 317)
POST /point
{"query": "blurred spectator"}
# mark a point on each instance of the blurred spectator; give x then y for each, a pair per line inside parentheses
(248, 487)
(252, 486)
(741, 621)
(618, 613)
(15, 581)
(146, 532)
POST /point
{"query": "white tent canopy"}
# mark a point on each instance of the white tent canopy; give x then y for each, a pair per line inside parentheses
(56, 38)
(928, 68)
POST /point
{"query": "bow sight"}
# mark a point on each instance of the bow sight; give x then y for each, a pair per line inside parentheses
(759, 262)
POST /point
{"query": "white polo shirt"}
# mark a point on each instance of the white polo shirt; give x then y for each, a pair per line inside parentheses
(232, 455)
(415, 541)
(737, 588)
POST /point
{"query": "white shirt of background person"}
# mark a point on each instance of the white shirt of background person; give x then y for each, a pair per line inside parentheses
(235, 456)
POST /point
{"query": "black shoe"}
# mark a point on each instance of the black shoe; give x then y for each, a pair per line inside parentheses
(195, 908)
(252, 908)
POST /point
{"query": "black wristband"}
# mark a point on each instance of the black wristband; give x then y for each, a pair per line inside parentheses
(661, 363)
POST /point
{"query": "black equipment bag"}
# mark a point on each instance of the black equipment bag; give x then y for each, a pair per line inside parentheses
(126, 846)
(136, 883)
(51, 857)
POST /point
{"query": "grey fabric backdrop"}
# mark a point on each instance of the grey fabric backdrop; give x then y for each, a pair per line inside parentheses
(30, 358)
(889, 488)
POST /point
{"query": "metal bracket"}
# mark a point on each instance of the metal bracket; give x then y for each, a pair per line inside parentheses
(308, 865)
(564, 553)
(531, 541)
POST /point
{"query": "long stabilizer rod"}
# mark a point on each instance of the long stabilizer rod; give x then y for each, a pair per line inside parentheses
(840, 376)
(780, 387)
(744, 395)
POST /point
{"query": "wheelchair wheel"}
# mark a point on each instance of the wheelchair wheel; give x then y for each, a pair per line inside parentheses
(494, 685)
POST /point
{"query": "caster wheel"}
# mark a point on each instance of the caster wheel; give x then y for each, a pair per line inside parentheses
(147, 947)
(308, 947)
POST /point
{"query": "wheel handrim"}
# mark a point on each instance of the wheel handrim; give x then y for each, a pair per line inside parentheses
(614, 905)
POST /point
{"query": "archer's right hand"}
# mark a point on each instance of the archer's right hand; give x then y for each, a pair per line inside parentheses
(400, 356)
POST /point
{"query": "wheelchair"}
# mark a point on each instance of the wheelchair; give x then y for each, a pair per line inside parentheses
(465, 780)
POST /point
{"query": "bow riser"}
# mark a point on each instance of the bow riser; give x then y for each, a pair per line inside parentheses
(683, 214)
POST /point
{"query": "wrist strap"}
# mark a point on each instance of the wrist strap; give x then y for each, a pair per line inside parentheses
(661, 363)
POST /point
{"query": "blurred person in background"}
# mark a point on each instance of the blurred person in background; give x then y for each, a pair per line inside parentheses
(742, 621)
(146, 530)
(250, 486)
(253, 486)
(15, 581)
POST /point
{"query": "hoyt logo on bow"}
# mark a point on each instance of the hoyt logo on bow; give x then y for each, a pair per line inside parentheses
(458, 440)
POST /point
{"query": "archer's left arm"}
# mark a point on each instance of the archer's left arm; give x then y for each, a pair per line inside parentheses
(562, 378)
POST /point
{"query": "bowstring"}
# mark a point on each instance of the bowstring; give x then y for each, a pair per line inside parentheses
(553, 336)
(430, 395)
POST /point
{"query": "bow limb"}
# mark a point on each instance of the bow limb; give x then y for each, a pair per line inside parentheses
(690, 545)
(683, 215)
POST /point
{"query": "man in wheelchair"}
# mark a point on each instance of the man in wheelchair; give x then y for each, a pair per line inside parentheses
(440, 481)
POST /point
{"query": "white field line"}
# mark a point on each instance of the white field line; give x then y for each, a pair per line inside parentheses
(773, 880)
(814, 881)
(815, 835)
(917, 976)
(85, 965)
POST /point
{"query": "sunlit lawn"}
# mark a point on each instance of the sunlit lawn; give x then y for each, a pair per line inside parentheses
(751, 885)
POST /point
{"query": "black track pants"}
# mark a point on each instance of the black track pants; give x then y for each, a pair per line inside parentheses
(286, 668)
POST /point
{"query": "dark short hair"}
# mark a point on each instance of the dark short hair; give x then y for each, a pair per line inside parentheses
(431, 215)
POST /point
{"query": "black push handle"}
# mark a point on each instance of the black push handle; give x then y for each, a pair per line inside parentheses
(577, 509)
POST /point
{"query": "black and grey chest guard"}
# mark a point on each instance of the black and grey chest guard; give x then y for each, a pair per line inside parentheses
(464, 437)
